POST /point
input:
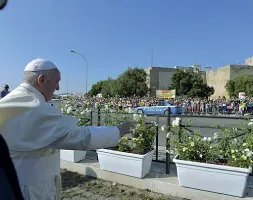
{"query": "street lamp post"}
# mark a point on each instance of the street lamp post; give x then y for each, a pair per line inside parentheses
(86, 85)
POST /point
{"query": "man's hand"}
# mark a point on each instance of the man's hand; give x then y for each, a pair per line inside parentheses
(125, 128)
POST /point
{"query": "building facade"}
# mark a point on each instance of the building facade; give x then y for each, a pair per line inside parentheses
(220, 76)
(159, 78)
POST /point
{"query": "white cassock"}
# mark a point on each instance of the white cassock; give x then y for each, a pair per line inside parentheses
(35, 131)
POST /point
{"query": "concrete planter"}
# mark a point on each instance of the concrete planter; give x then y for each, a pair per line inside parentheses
(73, 155)
(214, 178)
(125, 163)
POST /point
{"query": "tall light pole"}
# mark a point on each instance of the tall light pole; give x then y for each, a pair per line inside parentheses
(72, 51)
(67, 82)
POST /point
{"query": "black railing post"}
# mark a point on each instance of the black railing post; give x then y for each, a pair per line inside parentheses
(156, 141)
(91, 118)
(99, 117)
(168, 145)
(180, 129)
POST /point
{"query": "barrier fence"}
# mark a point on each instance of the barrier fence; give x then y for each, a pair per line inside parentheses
(169, 117)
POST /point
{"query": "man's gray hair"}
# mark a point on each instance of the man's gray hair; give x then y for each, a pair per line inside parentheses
(32, 77)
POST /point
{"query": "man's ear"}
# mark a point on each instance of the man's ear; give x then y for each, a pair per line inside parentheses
(41, 79)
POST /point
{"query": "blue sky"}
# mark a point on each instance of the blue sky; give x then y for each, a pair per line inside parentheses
(115, 34)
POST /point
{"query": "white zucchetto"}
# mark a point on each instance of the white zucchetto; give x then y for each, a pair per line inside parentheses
(39, 65)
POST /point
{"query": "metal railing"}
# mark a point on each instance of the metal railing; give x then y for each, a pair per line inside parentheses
(168, 117)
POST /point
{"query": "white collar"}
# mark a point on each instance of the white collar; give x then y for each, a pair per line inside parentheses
(33, 90)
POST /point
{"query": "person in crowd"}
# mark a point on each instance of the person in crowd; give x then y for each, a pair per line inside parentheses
(35, 132)
(5, 91)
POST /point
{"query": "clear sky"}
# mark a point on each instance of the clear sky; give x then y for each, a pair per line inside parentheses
(115, 34)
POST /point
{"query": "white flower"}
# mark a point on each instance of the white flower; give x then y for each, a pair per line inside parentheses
(250, 123)
(246, 150)
(82, 113)
(250, 153)
(244, 144)
(168, 135)
(215, 135)
(204, 139)
(244, 157)
(153, 122)
(235, 129)
(69, 110)
(209, 139)
(137, 117)
(163, 128)
(176, 122)
(200, 155)
(129, 110)
(184, 149)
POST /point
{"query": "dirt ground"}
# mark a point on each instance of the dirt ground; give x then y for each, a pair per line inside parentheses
(79, 187)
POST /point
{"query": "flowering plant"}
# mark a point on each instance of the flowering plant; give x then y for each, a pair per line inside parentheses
(142, 137)
(230, 146)
(78, 111)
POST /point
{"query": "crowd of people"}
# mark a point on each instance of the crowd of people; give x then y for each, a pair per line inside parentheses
(221, 105)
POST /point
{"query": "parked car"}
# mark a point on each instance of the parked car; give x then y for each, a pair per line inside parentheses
(159, 109)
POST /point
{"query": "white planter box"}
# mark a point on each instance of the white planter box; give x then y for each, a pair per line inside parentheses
(215, 178)
(125, 163)
(72, 155)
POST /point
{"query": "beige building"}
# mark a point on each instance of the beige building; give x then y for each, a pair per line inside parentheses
(219, 77)
(159, 78)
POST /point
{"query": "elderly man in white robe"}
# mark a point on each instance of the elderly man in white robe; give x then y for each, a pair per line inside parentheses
(35, 131)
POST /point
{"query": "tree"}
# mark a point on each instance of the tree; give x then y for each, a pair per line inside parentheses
(107, 88)
(230, 87)
(110, 88)
(240, 84)
(96, 88)
(132, 82)
(190, 84)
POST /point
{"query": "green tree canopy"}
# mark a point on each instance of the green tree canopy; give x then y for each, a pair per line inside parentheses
(132, 82)
(190, 84)
(240, 84)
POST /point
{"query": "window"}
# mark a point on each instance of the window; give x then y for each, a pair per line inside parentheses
(161, 103)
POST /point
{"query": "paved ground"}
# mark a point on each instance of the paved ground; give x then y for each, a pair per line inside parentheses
(78, 187)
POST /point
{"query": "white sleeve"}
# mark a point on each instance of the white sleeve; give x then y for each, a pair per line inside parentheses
(91, 137)
(103, 136)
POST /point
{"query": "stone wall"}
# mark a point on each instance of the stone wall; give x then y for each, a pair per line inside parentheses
(218, 79)
(240, 70)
